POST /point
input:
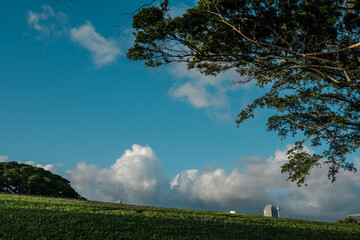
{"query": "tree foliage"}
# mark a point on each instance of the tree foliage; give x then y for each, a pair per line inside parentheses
(349, 220)
(305, 53)
(25, 179)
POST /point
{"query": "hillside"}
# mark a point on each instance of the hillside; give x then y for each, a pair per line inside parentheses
(27, 217)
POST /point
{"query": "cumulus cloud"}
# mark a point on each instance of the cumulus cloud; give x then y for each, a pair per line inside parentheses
(136, 177)
(260, 182)
(103, 51)
(48, 23)
(3, 158)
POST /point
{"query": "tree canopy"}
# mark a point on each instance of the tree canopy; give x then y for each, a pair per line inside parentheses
(305, 53)
(21, 178)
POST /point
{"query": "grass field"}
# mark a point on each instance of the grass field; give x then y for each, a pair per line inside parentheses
(27, 217)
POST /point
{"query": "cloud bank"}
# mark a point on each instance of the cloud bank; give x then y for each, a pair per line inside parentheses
(249, 189)
(48, 23)
(137, 177)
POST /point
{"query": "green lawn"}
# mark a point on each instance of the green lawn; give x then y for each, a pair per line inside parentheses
(27, 217)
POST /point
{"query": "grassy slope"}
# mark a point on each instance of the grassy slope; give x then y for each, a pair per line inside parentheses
(25, 217)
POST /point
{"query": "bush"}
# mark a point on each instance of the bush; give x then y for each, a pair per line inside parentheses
(349, 220)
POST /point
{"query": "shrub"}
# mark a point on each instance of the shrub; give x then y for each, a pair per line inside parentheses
(349, 220)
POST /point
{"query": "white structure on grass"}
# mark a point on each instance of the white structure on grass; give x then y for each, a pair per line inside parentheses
(271, 211)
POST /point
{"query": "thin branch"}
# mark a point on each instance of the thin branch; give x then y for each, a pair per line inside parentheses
(133, 13)
(330, 52)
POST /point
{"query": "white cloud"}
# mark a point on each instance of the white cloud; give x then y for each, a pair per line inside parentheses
(210, 93)
(104, 51)
(197, 95)
(249, 189)
(47, 22)
(200, 90)
(136, 177)
(54, 168)
(3, 158)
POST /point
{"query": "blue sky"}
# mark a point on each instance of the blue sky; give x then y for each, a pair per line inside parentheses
(71, 102)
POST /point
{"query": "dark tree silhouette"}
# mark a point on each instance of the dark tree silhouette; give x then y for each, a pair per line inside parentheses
(21, 178)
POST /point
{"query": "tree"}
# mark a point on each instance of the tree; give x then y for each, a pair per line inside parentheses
(25, 179)
(349, 220)
(305, 53)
